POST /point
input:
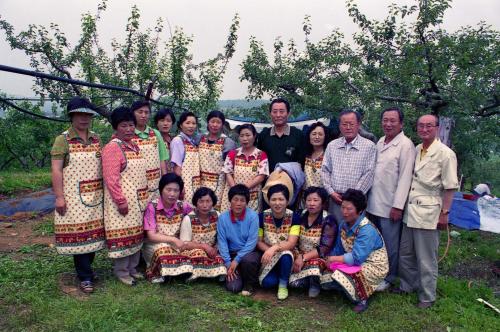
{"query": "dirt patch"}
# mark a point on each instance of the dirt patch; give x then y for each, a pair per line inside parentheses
(478, 270)
(14, 236)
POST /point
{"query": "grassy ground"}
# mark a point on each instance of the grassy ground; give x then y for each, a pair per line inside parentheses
(31, 299)
(13, 182)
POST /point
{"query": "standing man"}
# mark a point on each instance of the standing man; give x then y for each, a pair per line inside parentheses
(349, 162)
(152, 146)
(282, 143)
(434, 182)
(393, 172)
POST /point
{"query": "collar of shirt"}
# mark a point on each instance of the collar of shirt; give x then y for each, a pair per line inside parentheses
(253, 155)
(423, 152)
(72, 134)
(143, 134)
(193, 140)
(128, 145)
(233, 217)
(395, 141)
(286, 132)
(168, 211)
(342, 143)
(354, 227)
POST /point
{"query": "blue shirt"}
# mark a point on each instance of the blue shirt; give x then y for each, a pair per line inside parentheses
(240, 236)
(367, 241)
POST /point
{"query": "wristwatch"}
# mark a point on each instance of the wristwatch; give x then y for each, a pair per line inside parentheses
(445, 212)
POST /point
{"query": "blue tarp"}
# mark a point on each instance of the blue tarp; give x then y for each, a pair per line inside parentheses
(40, 202)
(464, 213)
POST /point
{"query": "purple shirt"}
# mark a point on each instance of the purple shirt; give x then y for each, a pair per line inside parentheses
(149, 214)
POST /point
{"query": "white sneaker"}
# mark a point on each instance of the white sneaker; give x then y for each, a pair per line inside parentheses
(383, 286)
(158, 280)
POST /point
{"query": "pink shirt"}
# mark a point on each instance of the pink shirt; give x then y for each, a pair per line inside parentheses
(113, 163)
(149, 214)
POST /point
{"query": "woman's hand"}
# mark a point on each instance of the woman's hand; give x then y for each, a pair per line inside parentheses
(123, 208)
(268, 255)
(61, 206)
(298, 264)
(179, 244)
(211, 251)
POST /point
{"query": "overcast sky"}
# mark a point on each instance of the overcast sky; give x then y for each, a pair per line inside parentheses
(208, 22)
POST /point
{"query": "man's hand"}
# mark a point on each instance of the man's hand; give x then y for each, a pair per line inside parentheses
(443, 221)
(232, 274)
(123, 208)
(61, 207)
(395, 215)
(337, 198)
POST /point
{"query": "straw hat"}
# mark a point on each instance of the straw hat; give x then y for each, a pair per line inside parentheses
(278, 177)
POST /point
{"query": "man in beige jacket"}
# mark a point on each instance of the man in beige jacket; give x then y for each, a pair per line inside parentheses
(431, 193)
(387, 198)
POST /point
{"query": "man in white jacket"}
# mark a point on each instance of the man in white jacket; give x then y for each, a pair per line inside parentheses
(429, 201)
(393, 174)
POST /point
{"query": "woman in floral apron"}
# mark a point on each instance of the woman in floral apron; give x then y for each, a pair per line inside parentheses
(213, 149)
(164, 121)
(185, 157)
(279, 231)
(246, 165)
(77, 183)
(199, 233)
(318, 232)
(361, 246)
(125, 196)
(162, 224)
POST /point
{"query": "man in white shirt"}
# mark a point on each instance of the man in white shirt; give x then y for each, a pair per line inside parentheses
(393, 175)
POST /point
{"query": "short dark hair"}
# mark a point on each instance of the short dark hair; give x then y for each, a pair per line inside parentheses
(140, 103)
(309, 147)
(357, 198)
(162, 114)
(322, 193)
(248, 126)
(280, 100)
(393, 109)
(170, 178)
(278, 188)
(201, 192)
(216, 114)
(121, 114)
(184, 116)
(434, 115)
(349, 111)
(239, 189)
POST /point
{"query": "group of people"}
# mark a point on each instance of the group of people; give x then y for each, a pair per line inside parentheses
(198, 206)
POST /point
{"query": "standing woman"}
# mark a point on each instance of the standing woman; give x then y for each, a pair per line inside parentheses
(358, 244)
(199, 233)
(317, 140)
(185, 157)
(77, 183)
(152, 147)
(247, 165)
(125, 196)
(162, 224)
(279, 231)
(213, 149)
(164, 120)
(318, 232)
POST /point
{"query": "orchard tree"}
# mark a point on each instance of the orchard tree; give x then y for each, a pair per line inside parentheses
(141, 61)
(407, 60)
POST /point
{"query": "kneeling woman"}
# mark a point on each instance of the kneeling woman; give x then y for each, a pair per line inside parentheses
(361, 252)
(199, 233)
(162, 224)
(279, 231)
(318, 232)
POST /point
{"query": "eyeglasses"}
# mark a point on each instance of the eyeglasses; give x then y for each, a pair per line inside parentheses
(348, 125)
(425, 126)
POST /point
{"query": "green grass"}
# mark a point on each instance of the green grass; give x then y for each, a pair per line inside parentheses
(15, 181)
(30, 300)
